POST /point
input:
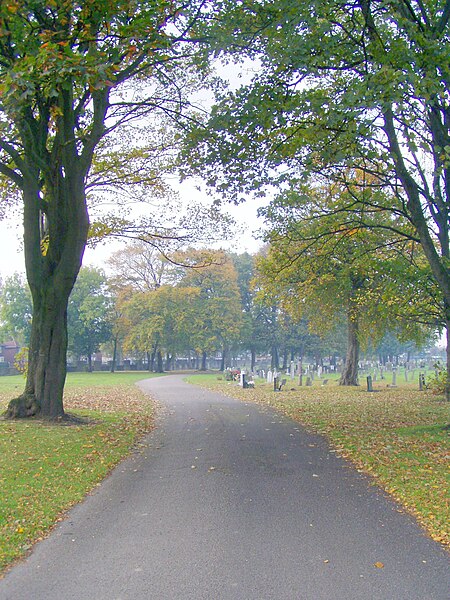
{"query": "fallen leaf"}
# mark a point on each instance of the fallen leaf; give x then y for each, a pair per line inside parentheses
(379, 565)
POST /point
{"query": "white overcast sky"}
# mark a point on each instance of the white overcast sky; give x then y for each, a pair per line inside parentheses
(11, 234)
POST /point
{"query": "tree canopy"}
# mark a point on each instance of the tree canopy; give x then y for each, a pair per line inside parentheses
(72, 74)
(339, 88)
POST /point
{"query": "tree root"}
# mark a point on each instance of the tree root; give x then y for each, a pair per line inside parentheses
(23, 407)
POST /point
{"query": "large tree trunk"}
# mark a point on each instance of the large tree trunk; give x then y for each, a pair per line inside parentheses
(275, 361)
(203, 365)
(54, 243)
(159, 362)
(46, 375)
(253, 360)
(349, 374)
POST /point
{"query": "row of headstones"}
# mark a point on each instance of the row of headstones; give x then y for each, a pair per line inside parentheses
(271, 375)
(371, 380)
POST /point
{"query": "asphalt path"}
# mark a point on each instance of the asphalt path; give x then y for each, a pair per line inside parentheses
(230, 501)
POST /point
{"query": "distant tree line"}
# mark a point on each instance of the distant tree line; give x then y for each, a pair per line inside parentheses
(209, 303)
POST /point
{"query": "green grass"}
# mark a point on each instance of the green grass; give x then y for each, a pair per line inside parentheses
(45, 469)
(15, 383)
(397, 435)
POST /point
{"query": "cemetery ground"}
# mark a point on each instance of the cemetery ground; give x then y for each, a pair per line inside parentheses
(46, 468)
(399, 436)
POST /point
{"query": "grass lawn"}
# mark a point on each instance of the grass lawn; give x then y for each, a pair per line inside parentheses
(45, 468)
(397, 435)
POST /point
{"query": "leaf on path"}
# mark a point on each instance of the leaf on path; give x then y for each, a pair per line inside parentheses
(379, 565)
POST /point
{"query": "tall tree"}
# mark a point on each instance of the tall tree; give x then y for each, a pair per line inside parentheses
(161, 320)
(89, 323)
(219, 308)
(322, 264)
(72, 74)
(340, 86)
(140, 266)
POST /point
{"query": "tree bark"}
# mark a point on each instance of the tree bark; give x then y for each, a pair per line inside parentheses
(285, 359)
(203, 365)
(349, 374)
(223, 359)
(56, 224)
(47, 355)
(114, 358)
(275, 362)
(253, 359)
(159, 362)
(447, 384)
(51, 274)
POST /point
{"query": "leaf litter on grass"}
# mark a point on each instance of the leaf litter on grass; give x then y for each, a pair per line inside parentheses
(46, 468)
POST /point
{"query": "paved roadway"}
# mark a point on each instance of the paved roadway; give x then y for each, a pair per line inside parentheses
(230, 501)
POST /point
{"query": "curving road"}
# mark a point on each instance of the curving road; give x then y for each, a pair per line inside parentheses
(231, 501)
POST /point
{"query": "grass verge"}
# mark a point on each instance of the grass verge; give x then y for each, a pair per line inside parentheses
(45, 468)
(397, 435)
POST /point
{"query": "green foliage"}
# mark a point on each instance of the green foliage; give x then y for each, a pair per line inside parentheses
(218, 310)
(21, 360)
(74, 77)
(163, 319)
(439, 382)
(15, 309)
(324, 261)
(88, 315)
(338, 89)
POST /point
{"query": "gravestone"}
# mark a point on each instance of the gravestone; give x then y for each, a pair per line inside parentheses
(422, 385)
(308, 381)
(243, 379)
(269, 376)
(394, 378)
